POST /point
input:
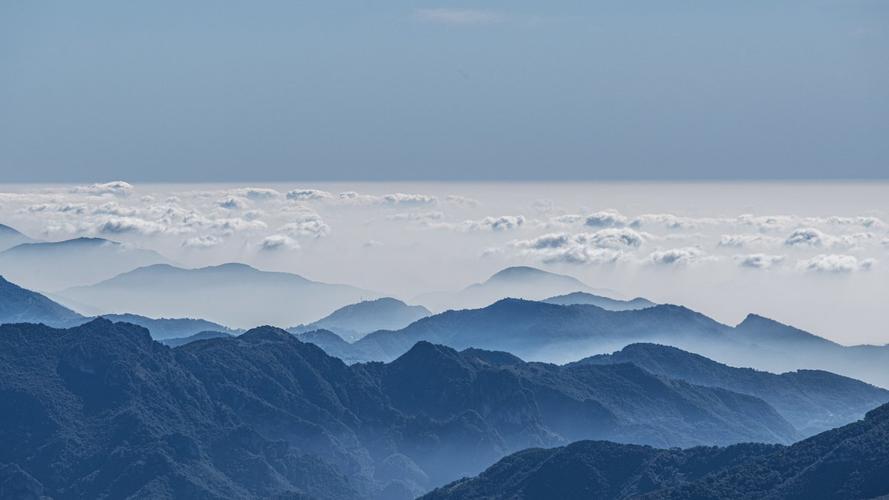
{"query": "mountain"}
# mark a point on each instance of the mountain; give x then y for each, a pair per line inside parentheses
(51, 266)
(172, 328)
(849, 462)
(19, 305)
(356, 320)
(206, 335)
(10, 237)
(606, 303)
(560, 334)
(101, 410)
(517, 282)
(812, 400)
(231, 294)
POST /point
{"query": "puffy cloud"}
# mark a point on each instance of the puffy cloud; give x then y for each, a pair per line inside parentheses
(766, 223)
(304, 223)
(746, 240)
(502, 223)
(233, 225)
(65, 208)
(601, 247)
(836, 263)
(308, 195)
(806, 237)
(759, 260)
(607, 218)
(256, 194)
(278, 242)
(121, 225)
(865, 221)
(205, 241)
(393, 199)
(676, 256)
(422, 217)
(116, 188)
(232, 203)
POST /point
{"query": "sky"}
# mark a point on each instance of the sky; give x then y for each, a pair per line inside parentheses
(814, 255)
(219, 91)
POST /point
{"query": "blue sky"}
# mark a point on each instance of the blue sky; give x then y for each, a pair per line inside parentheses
(275, 91)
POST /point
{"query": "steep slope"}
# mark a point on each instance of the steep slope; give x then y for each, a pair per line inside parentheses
(51, 266)
(606, 303)
(517, 282)
(353, 321)
(849, 462)
(18, 305)
(231, 294)
(813, 401)
(10, 237)
(263, 414)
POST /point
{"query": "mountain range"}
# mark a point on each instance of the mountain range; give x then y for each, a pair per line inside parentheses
(353, 321)
(236, 295)
(52, 266)
(519, 282)
(606, 303)
(101, 410)
(19, 305)
(848, 462)
(10, 237)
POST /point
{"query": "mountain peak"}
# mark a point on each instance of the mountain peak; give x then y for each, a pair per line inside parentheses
(265, 333)
(528, 272)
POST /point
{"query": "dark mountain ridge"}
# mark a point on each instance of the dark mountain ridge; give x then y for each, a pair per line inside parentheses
(353, 321)
(264, 414)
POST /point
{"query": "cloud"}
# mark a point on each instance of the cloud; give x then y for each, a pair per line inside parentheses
(806, 237)
(502, 223)
(461, 201)
(421, 217)
(205, 241)
(121, 225)
(256, 194)
(759, 260)
(393, 199)
(308, 195)
(601, 247)
(116, 188)
(607, 218)
(232, 203)
(460, 17)
(834, 263)
(866, 221)
(278, 242)
(676, 256)
(746, 240)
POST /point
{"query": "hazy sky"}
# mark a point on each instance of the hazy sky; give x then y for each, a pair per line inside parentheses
(284, 90)
(812, 255)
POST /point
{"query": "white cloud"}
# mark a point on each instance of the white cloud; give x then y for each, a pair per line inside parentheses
(461, 201)
(256, 194)
(120, 225)
(232, 203)
(393, 199)
(806, 237)
(278, 242)
(759, 260)
(601, 247)
(205, 241)
(607, 218)
(502, 223)
(458, 16)
(422, 217)
(835, 263)
(676, 256)
(116, 188)
(746, 240)
(308, 195)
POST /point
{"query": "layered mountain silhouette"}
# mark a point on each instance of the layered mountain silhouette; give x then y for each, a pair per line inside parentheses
(849, 462)
(554, 333)
(356, 320)
(205, 335)
(172, 328)
(10, 237)
(520, 282)
(606, 303)
(812, 400)
(236, 295)
(101, 410)
(19, 305)
(52, 266)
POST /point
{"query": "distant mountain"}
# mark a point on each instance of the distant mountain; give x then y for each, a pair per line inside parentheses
(10, 237)
(553, 333)
(172, 328)
(51, 266)
(606, 303)
(100, 410)
(19, 305)
(356, 320)
(516, 282)
(231, 294)
(330, 342)
(849, 462)
(178, 341)
(812, 400)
